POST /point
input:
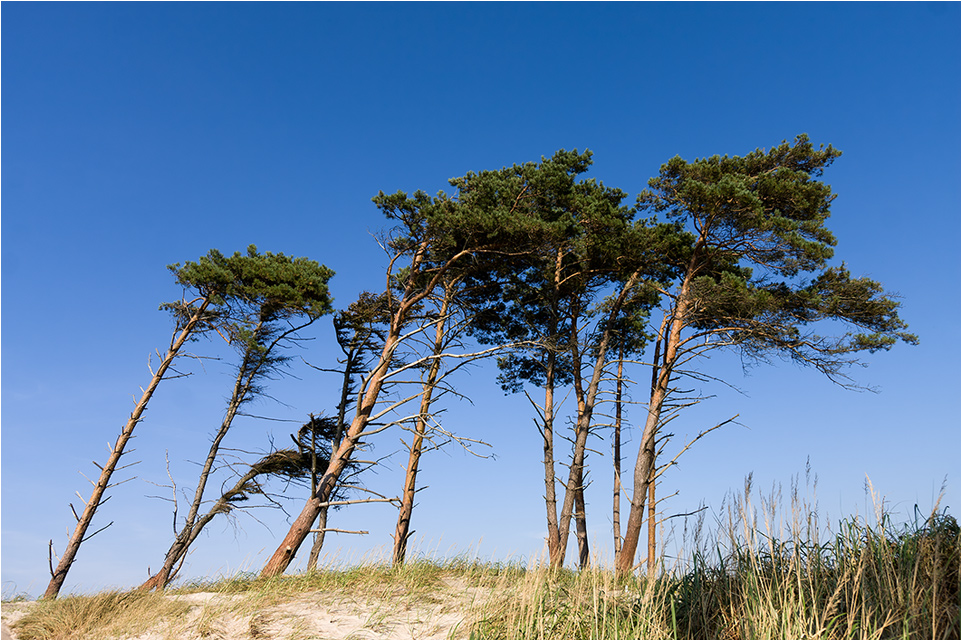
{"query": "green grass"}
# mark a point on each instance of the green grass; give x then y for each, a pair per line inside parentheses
(750, 580)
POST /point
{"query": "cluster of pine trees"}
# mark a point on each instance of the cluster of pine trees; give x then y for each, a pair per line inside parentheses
(562, 282)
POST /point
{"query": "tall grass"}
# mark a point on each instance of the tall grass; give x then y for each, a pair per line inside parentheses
(757, 577)
(756, 574)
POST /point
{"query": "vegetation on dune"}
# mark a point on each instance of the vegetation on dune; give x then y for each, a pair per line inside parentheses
(862, 580)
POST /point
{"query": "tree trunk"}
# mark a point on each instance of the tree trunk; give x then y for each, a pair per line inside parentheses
(192, 527)
(318, 540)
(350, 363)
(651, 524)
(249, 369)
(645, 463)
(586, 403)
(556, 553)
(403, 529)
(581, 525)
(162, 577)
(301, 527)
(616, 505)
(574, 502)
(73, 545)
(651, 483)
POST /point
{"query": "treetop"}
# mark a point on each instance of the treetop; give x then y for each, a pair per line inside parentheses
(297, 285)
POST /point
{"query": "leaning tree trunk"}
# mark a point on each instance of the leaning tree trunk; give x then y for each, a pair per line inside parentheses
(60, 574)
(645, 463)
(581, 524)
(403, 530)
(302, 525)
(246, 374)
(350, 364)
(652, 524)
(318, 543)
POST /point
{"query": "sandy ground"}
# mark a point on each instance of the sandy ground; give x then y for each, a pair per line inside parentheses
(10, 613)
(316, 615)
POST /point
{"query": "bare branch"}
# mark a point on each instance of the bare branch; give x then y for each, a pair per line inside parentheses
(692, 442)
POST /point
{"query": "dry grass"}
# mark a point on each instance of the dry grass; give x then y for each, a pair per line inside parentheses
(757, 577)
(421, 600)
(109, 615)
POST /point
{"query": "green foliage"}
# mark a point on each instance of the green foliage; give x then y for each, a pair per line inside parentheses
(579, 240)
(756, 276)
(272, 281)
(277, 286)
(765, 207)
(251, 296)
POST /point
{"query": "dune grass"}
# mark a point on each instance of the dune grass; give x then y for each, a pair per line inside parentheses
(757, 578)
(754, 577)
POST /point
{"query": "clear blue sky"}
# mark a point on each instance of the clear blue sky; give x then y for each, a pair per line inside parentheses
(139, 135)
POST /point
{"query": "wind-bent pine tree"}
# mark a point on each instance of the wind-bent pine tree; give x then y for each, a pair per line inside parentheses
(756, 279)
(272, 298)
(433, 238)
(212, 285)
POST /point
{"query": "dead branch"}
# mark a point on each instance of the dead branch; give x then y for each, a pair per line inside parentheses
(90, 536)
(692, 442)
(353, 501)
(50, 557)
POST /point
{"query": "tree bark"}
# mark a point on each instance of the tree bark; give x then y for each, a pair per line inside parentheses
(301, 527)
(192, 527)
(73, 545)
(581, 524)
(556, 553)
(318, 540)
(616, 504)
(587, 399)
(403, 529)
(651, 484)
(651, 524)
(556, 549)
(350, 363)
(645, 463)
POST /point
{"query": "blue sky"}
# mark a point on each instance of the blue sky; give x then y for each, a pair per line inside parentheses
(139, 135)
